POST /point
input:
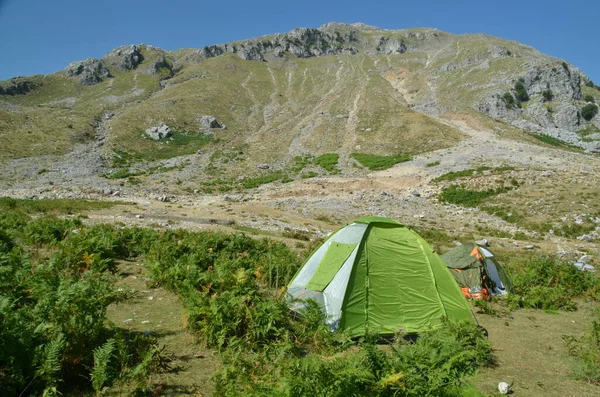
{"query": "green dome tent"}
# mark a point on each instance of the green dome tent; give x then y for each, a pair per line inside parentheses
(477, 272)
(377, 275)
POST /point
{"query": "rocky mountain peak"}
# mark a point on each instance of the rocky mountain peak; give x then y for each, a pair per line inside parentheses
(125, 58)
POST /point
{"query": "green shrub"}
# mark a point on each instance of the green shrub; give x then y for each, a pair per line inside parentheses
(574, 229)
(433, 163)
(509, 100)
(520, 92)
(589, 98)
(548, 95)
(328, 161)
(589, 111)
(453, 175)
(375, 162)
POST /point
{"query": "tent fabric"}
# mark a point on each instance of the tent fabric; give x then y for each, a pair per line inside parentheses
(388, 280)
(332, 261)
(474, 266)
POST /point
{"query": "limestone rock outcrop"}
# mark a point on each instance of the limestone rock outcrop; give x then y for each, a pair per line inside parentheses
(88, 72)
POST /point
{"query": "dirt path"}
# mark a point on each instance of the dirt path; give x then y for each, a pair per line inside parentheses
(160, 313)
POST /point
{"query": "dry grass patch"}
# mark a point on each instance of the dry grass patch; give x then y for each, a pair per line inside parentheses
(531, 353)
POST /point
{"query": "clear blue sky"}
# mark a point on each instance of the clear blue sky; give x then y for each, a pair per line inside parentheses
(44, 36)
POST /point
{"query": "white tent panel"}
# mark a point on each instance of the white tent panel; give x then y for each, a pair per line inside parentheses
(336, 290)
(351, 234)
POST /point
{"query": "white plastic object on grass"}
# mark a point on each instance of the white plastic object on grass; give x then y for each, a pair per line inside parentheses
(503, 388)
(583, 266)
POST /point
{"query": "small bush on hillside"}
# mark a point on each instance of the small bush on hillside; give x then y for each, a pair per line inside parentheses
(520, 92)
(119, 174)
(433, 163)
(589, 98)
(509, 100)
(548, 95)
(589, 111)
(375, 162)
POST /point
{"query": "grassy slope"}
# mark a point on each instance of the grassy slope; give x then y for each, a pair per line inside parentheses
(316, 105)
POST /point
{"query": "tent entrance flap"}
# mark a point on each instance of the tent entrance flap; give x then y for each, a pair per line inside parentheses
(334, 258)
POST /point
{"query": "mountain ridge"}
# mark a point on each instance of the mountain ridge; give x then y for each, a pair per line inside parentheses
(335, 39)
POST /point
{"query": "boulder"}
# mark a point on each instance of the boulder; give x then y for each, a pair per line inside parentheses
(567, 117)
(158, 132)
(208, 122)
(88, 72)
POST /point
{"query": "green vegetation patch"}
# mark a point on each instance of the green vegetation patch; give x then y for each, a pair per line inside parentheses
(54, 335)
(455, 194)
(329, 161)
(230, 285)
(300, 162)
(520, 91)
(54, 206)
(377, 163)
(251, 183)
(549, 284)
(181, 142)
(553, 141)
(588, 130)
